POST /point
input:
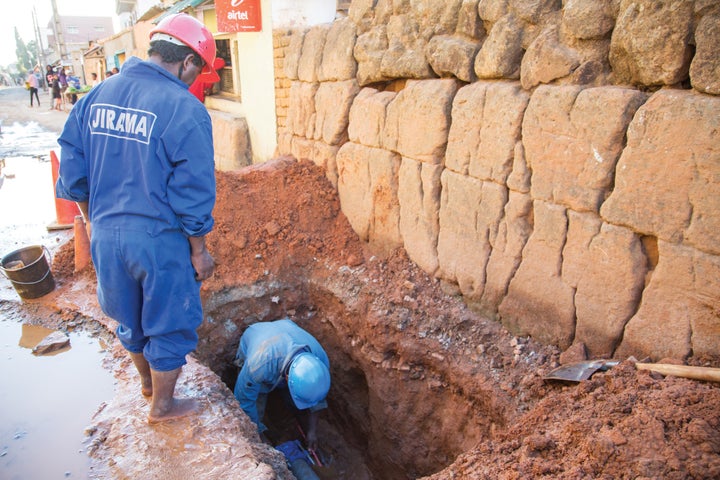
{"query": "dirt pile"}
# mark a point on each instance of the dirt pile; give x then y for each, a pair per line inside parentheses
(421, 383)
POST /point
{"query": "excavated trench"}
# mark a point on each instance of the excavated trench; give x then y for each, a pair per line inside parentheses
(392, 412)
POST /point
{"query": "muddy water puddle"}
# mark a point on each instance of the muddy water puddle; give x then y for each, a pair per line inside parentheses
(47, 402)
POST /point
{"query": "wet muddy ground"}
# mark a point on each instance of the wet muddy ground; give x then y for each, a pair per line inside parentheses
(423, 387)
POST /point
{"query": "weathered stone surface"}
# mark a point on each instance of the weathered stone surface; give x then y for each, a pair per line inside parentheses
(436, 17)
(705, 66)
(470, 214)
(589, 19)
(405, 56)
(52, 343)
(607, 268)
(338, 62)
(231, 139)
(418, 119)
(312, 53)
(367, 116)
(532, 11)
(293, 54)
(367, 187)
(369, 50)
(539, 303)
(679, 310)
(468, 21)
(284, 145)
(513, 233)
(361, 13)
(519, 178)
(666, 179)
(547, 59)
(492, 10)
(419, 196)
(573, 139)
(486, 125)
(449, 55)
(502, 51)
(332, 107)
(651, 41)
(301, 109)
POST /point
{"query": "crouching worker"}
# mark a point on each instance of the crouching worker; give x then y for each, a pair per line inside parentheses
(281, 355)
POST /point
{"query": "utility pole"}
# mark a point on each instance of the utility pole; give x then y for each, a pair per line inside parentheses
(40, 48)
(57, 27)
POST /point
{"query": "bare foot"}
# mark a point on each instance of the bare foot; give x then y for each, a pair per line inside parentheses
(146, 386)
(181, 407)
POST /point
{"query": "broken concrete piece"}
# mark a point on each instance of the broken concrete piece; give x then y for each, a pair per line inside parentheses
(52, 343)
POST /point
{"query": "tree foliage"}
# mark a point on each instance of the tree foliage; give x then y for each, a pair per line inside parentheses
(24, 57)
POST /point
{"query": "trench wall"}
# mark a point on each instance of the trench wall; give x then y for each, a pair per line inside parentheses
(556, 163)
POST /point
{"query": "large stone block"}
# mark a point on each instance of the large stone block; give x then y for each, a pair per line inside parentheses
(679, 311)
(320, 153)
(513, 233)
(338, 62)
(452, 56)
(470, 214)
(419, 196)
(332, 109)
(405, 56)
(312, 53)
(231, 139)
(301, 111)
(418, 120)
(368, 190)
(589, 19)
(486, 125)
(666, 179)
(502, 51)
(651, 41)
(539, 303)
(547, 59)
(370, 48)
(607, 266)
(293, 54)
(573, 139)
(705, 66)
(533, 11)
(367, 117)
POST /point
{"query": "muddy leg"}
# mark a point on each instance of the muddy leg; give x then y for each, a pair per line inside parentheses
(164, 405)
(143, 368)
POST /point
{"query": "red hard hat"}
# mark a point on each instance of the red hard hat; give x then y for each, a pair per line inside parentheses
(182, 28)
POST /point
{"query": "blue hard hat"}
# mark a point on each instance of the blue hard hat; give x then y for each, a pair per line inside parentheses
(308, 380)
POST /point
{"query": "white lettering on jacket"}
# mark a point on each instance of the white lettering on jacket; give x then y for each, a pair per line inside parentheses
(121, 122)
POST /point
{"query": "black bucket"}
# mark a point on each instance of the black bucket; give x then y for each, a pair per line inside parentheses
(29, 271)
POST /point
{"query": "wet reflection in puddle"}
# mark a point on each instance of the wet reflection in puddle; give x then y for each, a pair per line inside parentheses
(47, 402)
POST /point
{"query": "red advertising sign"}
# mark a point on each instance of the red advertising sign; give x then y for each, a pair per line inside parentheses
(238, 15)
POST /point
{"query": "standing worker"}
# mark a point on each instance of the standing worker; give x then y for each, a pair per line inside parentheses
(282, 355)
(137, 156)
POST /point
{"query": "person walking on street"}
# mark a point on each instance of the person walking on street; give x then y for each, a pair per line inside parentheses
(33, 85)
(281, 355)
(137, 156)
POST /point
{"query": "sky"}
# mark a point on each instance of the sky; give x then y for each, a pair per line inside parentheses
(20, 15)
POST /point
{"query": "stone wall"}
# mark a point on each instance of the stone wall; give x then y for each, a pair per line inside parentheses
(555, 163)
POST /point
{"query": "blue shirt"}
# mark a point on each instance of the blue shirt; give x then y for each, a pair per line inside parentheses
(138, 147)
(265, 351)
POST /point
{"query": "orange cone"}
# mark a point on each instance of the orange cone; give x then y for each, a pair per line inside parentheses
(82, 245)
(65, 210)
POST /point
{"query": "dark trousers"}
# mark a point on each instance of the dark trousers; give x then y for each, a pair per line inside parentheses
(34, 91)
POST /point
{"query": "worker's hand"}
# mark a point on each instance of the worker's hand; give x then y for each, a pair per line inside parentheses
(203, 263)
(312, 439)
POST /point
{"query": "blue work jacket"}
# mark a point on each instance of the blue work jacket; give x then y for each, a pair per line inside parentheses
(138, 148)
(265, 352)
